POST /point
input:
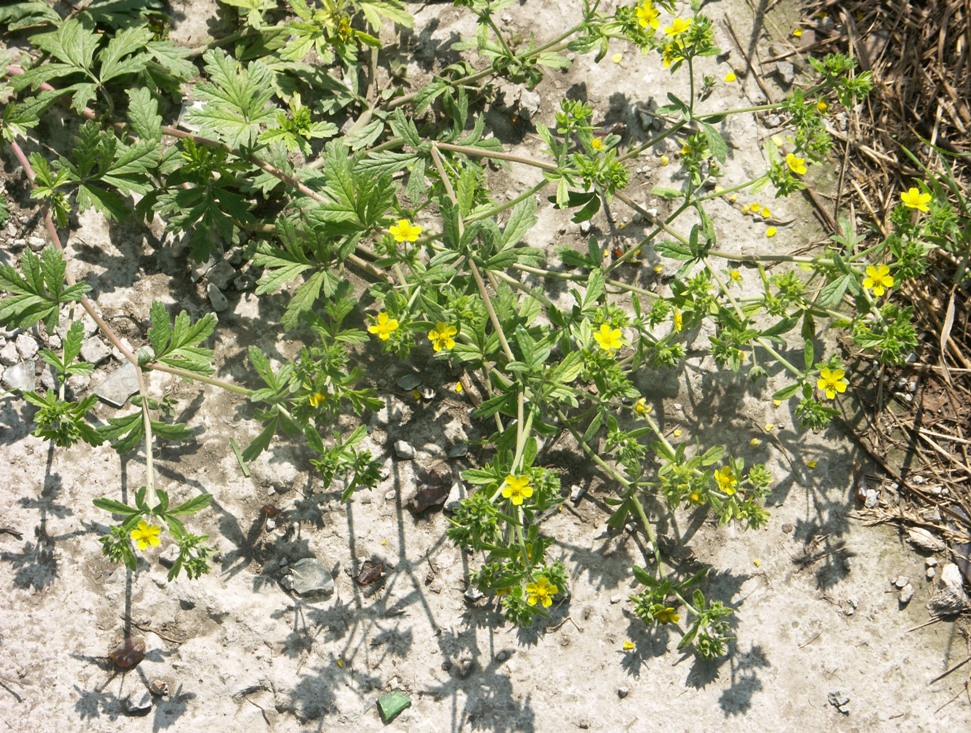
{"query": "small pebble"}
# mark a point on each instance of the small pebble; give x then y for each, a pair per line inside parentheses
(901, 581)
(906, 593)
(931, 573)
(404, 450)
(623, 692)
(408, 382)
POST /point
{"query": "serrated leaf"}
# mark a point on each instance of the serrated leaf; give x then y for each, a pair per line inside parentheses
(143, 114)
(109, 203)
(121, 55)
(832, 293)
(115, 507)
(177, 345)
(72, 341)
(192, 506)
(72, 44)
(173, 59)
(391, 9)
(237, 100)
(303, 300)
(129, 171)
(522, 218)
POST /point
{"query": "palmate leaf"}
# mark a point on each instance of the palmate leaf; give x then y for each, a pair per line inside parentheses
(38, 293)
(209, 213)
(176, 344)
(124, 53)
(237, 100)
(71, 43)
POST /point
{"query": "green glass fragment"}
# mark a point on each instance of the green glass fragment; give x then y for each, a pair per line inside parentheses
(391, 705)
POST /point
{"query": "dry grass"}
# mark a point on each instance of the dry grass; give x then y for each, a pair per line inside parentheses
(918, 421)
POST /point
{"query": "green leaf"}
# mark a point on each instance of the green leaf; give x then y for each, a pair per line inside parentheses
(675, 251)
(303, 299)
(237, 100)
(143, 114)
(374, 10)
(177, 345)
(72, 44)
(125, 43)
(115, 507)
(192, 506)
(106, 202)
(38, 293)
(522, 218)
(832, 293)
(716, 143)
(786, 392)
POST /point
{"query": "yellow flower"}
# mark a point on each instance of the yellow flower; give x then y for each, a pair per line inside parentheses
(678, 321)
(541, 592)
(405, 231)
(677, 27)
(730, 77)
(316, 398)
(755, 208)
(822, 106)
(831, 381)
(811, 464)
(441, 336)
(726, 480)
(666, 615)
(770, 232)
(677, 432)
(878, 279)
(796, 164)
(629, 646)
(769, 427)
(609, 339)
(914, 199)
(735, 275)
(146, 534)
(695, 497)
(647, 15)
(384, 326)
(617, 58)
(797, 33)
(516, 489)
(673, 52)
(664, 160)
(458, 387)
(597, 143)
(765, 212)
(755, 442)
(642, 408)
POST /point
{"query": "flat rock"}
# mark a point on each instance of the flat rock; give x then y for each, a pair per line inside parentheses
(9, 354)
(21, 376)
(221, 274)
(121, 384)
(217, 300)
(94, 350)
(27, 346)
(309, 577)
(404, 450)
(924, 541)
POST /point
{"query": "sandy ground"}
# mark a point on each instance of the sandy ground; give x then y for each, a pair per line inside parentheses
(819, 624)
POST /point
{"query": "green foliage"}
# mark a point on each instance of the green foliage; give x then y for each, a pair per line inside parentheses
(38, 291)
(193, 555)
(370, 207)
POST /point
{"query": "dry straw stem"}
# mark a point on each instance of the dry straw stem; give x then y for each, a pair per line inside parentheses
(920, 57)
